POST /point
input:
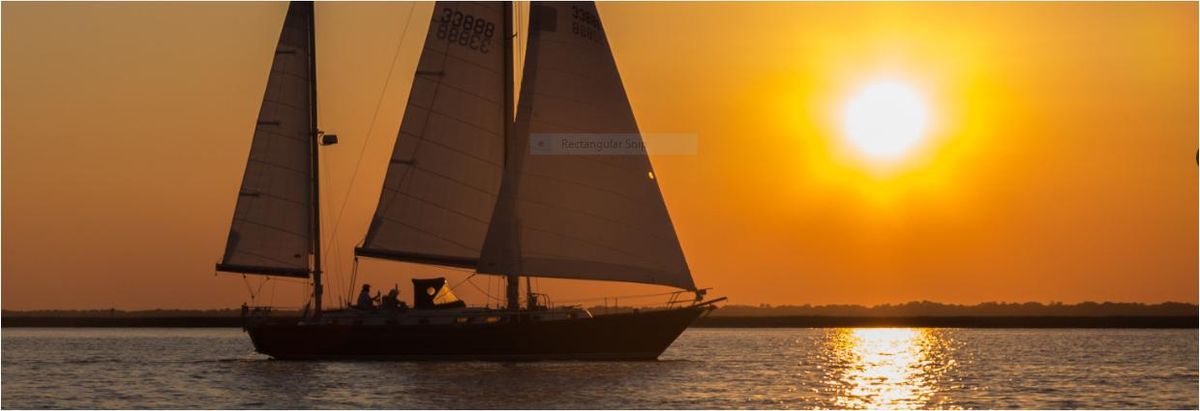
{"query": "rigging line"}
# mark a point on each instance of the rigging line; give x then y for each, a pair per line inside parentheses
(460, 282)
(619, 296)
(258, 291)
(249, 289)
(465, 270)
(353, 279)
(330, 245)
(289, 280)
(485, 293)
(378, 106)
(274, 288)
(336, 260)
(336, 257)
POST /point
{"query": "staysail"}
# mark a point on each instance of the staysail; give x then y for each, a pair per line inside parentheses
(598, 216)
(445, 170)
(271, 230)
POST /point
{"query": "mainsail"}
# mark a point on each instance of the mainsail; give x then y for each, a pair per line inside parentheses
(271, 230)
(446, 166)
(596, 217)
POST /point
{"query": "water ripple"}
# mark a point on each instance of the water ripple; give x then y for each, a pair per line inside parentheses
(706, 368)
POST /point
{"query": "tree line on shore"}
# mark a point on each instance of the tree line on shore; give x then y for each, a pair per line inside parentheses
(988, 309)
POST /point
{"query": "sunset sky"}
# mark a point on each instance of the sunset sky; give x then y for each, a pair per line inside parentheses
(1057, 162)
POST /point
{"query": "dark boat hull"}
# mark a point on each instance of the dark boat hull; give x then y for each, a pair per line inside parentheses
(627, 336)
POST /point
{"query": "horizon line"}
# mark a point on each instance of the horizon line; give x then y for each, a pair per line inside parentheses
(1051, 303)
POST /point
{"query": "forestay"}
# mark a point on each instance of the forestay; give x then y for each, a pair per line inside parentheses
(444, 175)
(598, 216)
(271, 233)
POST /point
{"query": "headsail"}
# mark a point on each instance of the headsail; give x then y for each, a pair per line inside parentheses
(271, 230)
(597, 217)
(445, 169)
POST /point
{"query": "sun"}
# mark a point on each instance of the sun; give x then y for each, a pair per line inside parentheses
(885, 120)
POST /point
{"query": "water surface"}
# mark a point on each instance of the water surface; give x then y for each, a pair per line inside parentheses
(705, 368)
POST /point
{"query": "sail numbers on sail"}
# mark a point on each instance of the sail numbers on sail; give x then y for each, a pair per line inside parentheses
(586, 25)
(466, 30)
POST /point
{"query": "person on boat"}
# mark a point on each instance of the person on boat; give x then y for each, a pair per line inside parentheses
(365, 301)
(391, 300)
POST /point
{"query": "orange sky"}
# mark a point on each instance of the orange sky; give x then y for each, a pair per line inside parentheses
(1059, 165)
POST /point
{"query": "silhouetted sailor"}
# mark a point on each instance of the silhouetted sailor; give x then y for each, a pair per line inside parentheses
(391, 300)
(365, 302)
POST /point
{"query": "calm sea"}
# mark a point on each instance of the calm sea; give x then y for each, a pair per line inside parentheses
(706, 368)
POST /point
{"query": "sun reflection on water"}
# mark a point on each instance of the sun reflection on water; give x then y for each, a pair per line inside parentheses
(887, 368)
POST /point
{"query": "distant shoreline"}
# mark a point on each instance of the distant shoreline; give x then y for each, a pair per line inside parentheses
(217, 321)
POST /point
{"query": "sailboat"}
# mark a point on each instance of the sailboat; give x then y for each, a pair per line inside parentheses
(465, 189)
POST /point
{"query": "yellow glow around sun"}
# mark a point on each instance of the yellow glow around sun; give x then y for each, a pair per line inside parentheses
(843, 147)
(885, 120)
(885, 126)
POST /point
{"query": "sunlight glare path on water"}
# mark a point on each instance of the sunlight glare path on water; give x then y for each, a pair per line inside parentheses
(887, 368)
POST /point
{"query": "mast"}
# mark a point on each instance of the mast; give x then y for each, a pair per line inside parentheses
(514, 280)
(316, 164)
